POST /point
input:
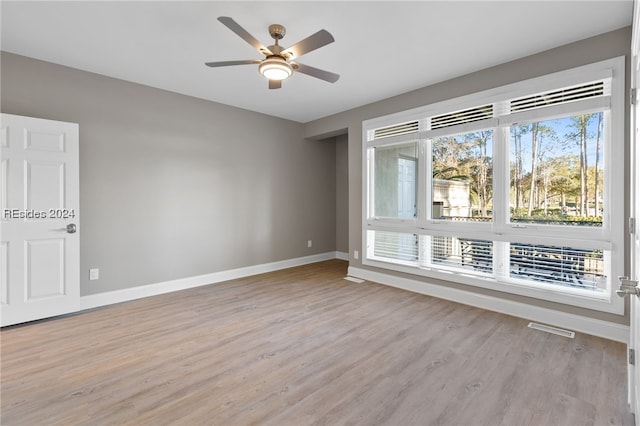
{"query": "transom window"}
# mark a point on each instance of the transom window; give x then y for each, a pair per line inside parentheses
(515, 189)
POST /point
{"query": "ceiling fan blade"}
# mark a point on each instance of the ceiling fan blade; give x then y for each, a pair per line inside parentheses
(228, 63)
(313, 42)
(316, 72)
(275, 84)
(236, 28)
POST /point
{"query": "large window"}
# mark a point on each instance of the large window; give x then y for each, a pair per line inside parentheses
(515, 189)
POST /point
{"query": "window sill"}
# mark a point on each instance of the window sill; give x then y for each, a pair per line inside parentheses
(603, 302)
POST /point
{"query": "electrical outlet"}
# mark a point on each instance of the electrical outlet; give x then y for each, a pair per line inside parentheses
(309, 243)
(356, 255)
(94, 274)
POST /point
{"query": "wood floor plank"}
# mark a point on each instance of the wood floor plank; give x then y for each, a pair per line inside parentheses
(304, 346)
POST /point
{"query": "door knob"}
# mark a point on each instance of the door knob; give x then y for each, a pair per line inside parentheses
(627, 286)
(628, 290)
(71, 228)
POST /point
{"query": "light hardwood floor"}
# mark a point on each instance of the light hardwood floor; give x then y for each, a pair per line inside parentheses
(304, 346)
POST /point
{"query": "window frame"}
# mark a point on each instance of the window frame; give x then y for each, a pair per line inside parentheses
(609, 237)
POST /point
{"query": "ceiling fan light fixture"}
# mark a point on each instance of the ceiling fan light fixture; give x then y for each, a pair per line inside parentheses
(275, 68)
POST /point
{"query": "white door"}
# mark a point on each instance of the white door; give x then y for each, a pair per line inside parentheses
(39, 219)
(634, 338)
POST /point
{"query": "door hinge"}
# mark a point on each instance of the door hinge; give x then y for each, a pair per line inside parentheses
(632, 357)
(632, 225)
(634, 96)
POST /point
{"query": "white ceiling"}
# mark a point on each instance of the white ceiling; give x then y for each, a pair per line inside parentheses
(382, 49)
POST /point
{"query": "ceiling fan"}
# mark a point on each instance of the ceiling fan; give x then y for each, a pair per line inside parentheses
(278, 62)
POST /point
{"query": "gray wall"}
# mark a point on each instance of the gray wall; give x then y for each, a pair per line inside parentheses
(172, 186)
(605, 46)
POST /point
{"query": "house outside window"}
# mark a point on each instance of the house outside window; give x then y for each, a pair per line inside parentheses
(517, 189)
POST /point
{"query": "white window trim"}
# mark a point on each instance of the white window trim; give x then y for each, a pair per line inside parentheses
(609, 237)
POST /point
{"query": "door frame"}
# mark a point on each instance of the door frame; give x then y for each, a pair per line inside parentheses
(634, 187)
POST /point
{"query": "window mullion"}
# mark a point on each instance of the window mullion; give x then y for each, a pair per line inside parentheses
(428, 179)
(423, 197)
(501, 260)
(501, 179)
(371, 182)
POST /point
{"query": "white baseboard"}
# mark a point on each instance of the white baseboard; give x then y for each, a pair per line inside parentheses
(132, 293)
(595, 327)
(342, 255)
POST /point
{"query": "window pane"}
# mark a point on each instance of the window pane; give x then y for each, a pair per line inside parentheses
(460, 253)
(395, 174)
(557, 174)
(562, 266)
(462, 177)
(394, 245)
